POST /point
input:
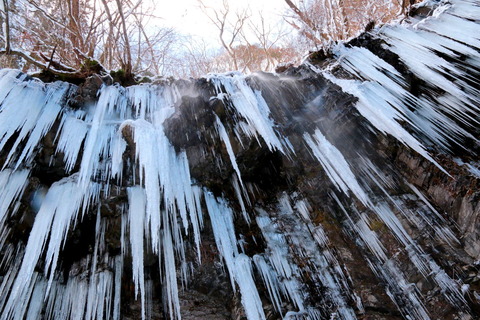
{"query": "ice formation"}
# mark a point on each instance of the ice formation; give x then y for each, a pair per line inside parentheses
(119, 147)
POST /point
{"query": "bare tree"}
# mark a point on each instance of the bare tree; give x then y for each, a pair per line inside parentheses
(127, 61)
(250, 42)
(324, 21)
(77, 37)
(405, 6)
(271, 39)
(229, 24)
(304, 24)
(197, 58)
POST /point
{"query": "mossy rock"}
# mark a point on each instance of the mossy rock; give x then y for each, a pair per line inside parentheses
(90, 66)
(123, 78)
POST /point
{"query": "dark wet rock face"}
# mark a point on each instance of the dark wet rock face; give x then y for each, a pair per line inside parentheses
(346, 188)
(87, 91)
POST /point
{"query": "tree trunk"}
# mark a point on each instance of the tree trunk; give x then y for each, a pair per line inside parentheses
(74, 26)
(6, 25)
(127, 49)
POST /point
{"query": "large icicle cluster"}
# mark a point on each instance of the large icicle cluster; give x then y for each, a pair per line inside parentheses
(118, 166)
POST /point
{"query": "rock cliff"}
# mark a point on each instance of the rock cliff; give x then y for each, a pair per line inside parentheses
(345, 188)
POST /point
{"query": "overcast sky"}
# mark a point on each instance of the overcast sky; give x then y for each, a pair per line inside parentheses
(187, 18)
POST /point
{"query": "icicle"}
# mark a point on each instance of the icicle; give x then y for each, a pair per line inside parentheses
(444, 232)
(392, 97)
(147, 156)
(71, 135)
(8, 80)
(28, 110)
(54, 212)
(426, 65)
(81, 297)
(12, 186)
(403, 294)
(8, 279)
(36, 301)
(238, 265)
(383, 119)
(269, 277)
(118, 286)
(221, 217)
(278, 257)
(238, 193)
(224, 136)
(98, 281)
(196, 219)
(325, 267)
(98, 137)
(119, 147)
(250, 105)
(335, 165)
(423, 262)
(164, 173)
(65, 214)
(136, 213)
(171, 287)
(250, 298)
(54, 95)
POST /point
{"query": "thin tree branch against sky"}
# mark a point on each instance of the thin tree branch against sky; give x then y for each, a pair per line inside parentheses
(187, 16)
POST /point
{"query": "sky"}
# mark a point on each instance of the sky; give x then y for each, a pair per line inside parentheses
(187, 17)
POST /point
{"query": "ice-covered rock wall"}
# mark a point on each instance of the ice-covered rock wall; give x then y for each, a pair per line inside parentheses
(347, 188)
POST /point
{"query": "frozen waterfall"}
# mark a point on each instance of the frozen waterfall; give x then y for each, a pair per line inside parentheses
(342, 189)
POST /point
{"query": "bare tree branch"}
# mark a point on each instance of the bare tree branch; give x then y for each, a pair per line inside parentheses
(128, 64)
(38, 64)
(6, 24)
